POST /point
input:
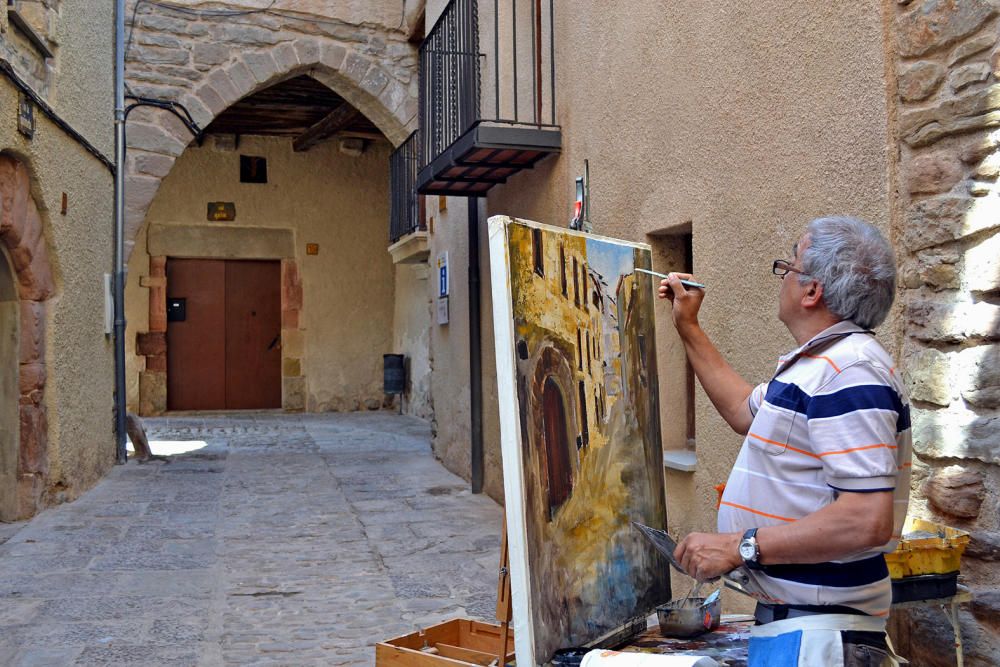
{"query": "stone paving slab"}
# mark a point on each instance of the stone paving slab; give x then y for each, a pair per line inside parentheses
(283, 540)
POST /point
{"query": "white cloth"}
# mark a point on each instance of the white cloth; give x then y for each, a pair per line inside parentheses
(822, 643)
(606, 658)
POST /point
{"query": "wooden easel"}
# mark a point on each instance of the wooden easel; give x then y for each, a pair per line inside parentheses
(504, 613)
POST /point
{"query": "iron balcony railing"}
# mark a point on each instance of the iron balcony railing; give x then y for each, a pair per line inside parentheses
(518, 67)
(404, 212)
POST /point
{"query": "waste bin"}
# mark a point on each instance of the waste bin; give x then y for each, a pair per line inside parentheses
(393, 373)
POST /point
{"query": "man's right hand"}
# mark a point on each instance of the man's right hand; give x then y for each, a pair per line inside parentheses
(685, 303)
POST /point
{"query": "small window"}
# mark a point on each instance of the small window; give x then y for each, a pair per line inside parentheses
(539, 255)
(589, 353)
(562, 271)
(673, 251)
(584, 427)
(576, 282)
(579, 351)
(253, 169)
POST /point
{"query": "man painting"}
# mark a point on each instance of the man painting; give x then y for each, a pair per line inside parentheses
(819, 490)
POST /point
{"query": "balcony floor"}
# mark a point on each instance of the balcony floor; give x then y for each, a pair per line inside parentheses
(487, 154)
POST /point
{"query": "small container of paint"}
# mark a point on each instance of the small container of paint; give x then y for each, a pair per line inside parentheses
(689, 617)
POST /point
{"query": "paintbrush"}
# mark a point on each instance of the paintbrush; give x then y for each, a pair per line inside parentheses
(686, 283)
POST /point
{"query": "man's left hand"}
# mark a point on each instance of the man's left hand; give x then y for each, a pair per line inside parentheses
(708, 555)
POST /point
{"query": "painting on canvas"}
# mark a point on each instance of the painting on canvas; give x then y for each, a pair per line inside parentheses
(576, 369)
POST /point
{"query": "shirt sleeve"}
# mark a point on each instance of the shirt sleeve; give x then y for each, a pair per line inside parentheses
(756, 398)
(853, 423)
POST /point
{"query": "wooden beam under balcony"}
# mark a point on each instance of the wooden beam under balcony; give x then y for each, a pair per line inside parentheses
(487, 155)
(334, 122)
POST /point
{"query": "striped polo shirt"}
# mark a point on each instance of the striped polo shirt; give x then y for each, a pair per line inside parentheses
(835, 417)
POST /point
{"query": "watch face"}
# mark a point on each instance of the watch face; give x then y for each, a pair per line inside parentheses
(747, 552)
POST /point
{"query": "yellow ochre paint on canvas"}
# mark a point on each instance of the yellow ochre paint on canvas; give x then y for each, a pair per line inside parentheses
(587, 395)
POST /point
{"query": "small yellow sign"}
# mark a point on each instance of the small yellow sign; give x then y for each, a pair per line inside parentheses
(312, 248)
(221, 211)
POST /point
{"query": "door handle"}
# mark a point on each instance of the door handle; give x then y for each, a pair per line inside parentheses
(274, 342)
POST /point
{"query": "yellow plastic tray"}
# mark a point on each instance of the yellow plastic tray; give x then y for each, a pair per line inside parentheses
(939, 554)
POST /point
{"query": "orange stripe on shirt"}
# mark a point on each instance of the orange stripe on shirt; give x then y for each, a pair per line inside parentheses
(783, 444)
(827, 359)
(856, 449)
(753, 511)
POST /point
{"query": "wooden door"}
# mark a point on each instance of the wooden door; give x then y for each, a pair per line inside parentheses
(196, 346)
(253, 334)
(556, 445)
(225, 353)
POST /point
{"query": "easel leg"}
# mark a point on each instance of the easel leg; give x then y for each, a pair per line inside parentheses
(503, 597)
(951, 611)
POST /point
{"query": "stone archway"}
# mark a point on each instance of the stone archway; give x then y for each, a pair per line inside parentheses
(379, 87)
(10, 312)
(23, 305)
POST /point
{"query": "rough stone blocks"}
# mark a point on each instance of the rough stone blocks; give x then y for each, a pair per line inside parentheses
(931, 25)
(34, 440)
(291, 285)
(29, 494)
(955, 491)
(31, 383)
(154, 139)
(157, 363)
(261, 65)
(308, 51)
(158, 295)
(151, 343)
(32, 332)
(152, 393)
(293, 393)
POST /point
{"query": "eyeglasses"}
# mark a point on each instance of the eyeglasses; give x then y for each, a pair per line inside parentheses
(781, 267)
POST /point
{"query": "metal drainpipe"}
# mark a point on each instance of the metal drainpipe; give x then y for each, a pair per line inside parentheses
(119, 276)
(475, 350)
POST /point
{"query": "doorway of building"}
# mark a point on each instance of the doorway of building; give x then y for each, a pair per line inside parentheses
(10, 313)
(223, 334)
(560, 480)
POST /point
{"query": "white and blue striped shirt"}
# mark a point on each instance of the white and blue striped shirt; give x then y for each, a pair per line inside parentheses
(835, 417)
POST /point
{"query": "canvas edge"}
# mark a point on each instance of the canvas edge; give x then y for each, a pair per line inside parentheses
(510, 439)
(574, 232)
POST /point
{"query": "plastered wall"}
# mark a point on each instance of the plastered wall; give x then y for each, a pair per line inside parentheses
(79, 383)
(337, 201)
(412, 317)
(744, 122)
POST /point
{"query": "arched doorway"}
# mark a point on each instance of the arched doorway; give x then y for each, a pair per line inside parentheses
(9, 393)
(558, 467)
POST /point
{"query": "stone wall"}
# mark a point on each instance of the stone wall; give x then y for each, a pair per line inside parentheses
(207, 62)
(948, 108)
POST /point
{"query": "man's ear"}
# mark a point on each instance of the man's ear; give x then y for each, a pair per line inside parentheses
(813, 296)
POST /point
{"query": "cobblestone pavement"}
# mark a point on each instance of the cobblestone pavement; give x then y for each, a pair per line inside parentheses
(286, 540)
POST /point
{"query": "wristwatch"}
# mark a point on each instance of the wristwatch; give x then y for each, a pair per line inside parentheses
(749, 551)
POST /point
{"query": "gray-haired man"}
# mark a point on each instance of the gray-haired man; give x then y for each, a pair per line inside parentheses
(818, 492)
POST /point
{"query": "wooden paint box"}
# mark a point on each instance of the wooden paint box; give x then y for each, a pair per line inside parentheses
(450, 644)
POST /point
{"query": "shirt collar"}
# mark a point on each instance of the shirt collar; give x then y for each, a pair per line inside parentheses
(841, 328)
(838, 330)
